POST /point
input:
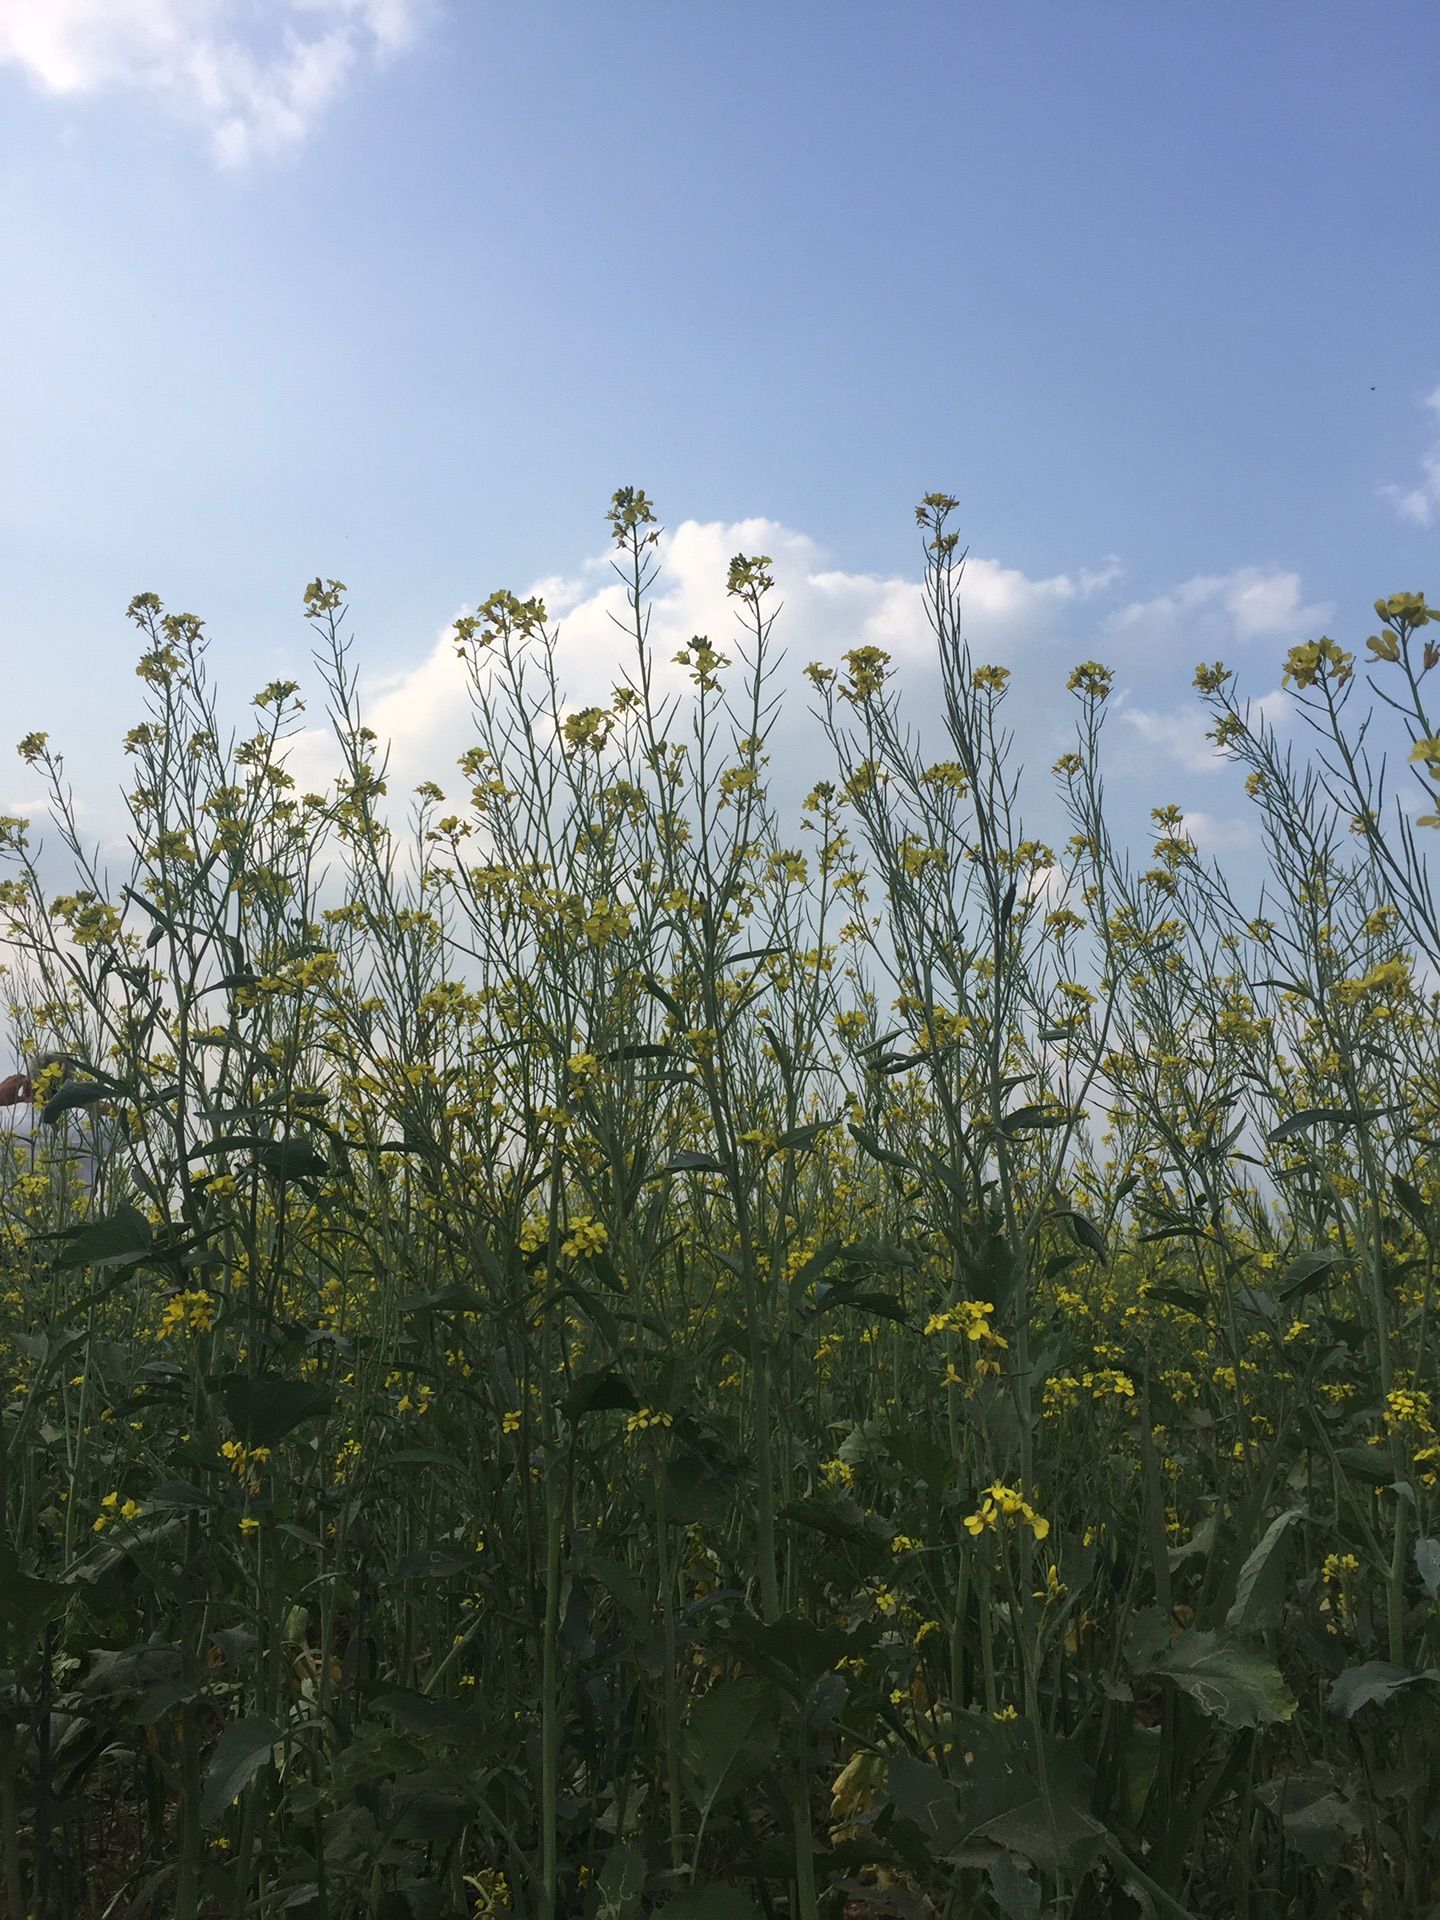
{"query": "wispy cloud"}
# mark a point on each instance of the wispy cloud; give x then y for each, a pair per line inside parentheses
(1421, 503)
(255, 79)
(1213, 609)
(1181, 736)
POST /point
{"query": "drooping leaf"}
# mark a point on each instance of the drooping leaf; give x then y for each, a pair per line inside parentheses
(74, 1093)
(242, 1749)
(1084, 1229)
(621, 1882)
(1372, 1684)
(1412, 1200)
(1427, 1565)
(1260, 1587)
(1052, 1831)
(867, 1141)
(921, 1794)
(1309, 1117)
(1305, 1272)
(1366, 1463)
(800, 1137)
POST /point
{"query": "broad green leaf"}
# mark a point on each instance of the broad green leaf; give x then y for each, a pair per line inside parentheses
(1412, 1200)
(801, 1137)
(27, 1603)
(1309, 1117)
(264, 1411)
(601, 1390)
(293, 1160)
(1016, 1890)
(620, 1883)
(1053, 1832)
(1232, 1682)
(118, 1240)
(730, 1735)
(242, 1749)
(922, 1795)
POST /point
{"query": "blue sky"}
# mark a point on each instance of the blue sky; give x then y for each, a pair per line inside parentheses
(400, 290)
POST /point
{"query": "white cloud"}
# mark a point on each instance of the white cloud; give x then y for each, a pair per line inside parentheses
(1421, 503)
(1211, 610)
(824, 611)
(1211, 835)
(1177, 737)
(256, 78)
(1180, 737)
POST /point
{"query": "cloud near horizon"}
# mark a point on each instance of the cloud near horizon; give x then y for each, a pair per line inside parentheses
(256, 92)
(423, 713)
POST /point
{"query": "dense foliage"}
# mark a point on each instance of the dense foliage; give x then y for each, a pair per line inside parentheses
(577, 1357)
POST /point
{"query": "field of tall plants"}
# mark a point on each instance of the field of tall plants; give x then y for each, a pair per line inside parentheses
(574, 1344)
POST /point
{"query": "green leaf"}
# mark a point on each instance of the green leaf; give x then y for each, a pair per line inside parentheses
(453, 1297)
(27, 1604)
(242, 1749)
(1412, 1200)
(1366, 1463)
(293, 1160)
(883, 1306)
(1030, 1118)
(799, 1137)
(1232, 1682)
(620, 1884)
(1260, 1589)
(264, 1411)
(697, 1488)
(118, 1240)
(1014, 1886)
(1304, 1271)
(876, 1151)
(1372, 1684)
(730, 1735)
(687, 1162)
(1427, 1565)
(1055, 1834)
(432, 1563)
(74, 1093)
(1084, 1229)
(1309, 1117)
(922, 1795)
(600, 1391)
(714, 1900)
